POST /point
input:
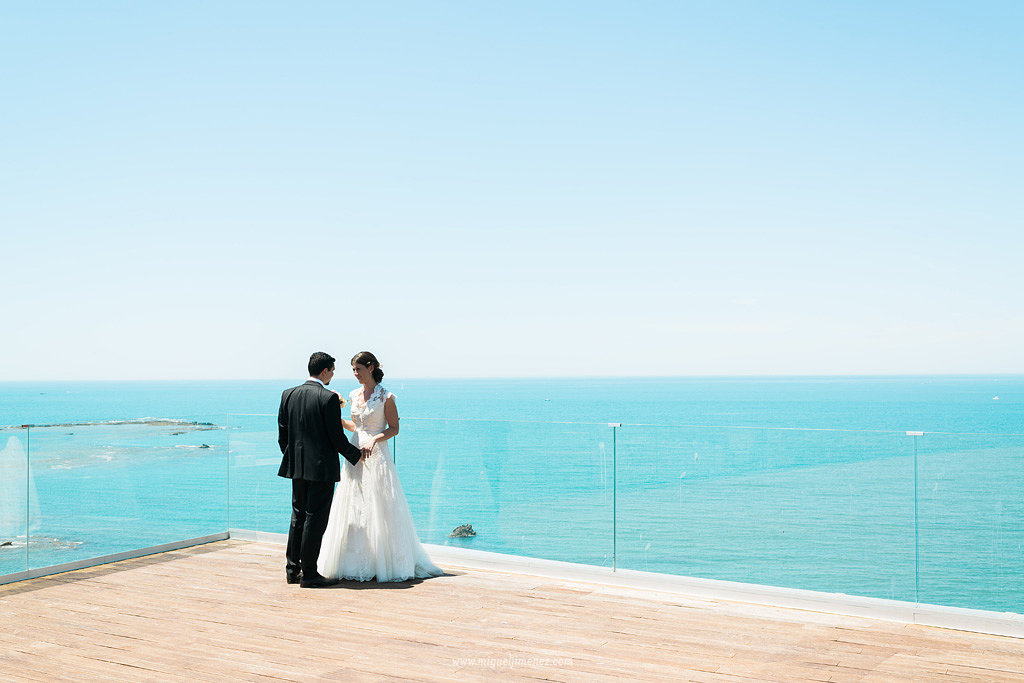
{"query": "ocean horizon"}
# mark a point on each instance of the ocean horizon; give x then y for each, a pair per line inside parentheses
(959, 403)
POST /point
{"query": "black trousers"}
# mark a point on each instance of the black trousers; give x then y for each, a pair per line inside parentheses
(311, 503)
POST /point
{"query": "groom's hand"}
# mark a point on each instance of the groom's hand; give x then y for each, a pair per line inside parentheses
(366, 452)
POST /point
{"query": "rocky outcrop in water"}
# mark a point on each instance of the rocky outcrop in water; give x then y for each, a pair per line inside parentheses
(462, 531)
(150, 422)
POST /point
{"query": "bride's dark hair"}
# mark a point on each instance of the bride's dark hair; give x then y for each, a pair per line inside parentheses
(369, 360)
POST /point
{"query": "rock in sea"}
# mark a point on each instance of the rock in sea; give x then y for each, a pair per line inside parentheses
(462, 531)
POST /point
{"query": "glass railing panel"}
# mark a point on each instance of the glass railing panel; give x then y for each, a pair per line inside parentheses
(16, 499)
(824, 510)
(260, 500)
(971, 520)
(539, 490)
(819, 510)
(534, 489)
(111, 487)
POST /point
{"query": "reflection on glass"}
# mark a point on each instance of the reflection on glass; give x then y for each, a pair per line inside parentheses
(536, 489)
(110, 487)
(18, 505)
(260, 500)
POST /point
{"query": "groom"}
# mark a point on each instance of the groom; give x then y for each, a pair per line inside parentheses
(310, 435)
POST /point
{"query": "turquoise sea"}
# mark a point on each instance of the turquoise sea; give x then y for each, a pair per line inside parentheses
(788, 481)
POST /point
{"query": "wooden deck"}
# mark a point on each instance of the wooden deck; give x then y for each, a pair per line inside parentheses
(224, 612)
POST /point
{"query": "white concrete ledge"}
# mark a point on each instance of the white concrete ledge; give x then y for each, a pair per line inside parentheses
(258, 536)
(115, 557)
(957, 618)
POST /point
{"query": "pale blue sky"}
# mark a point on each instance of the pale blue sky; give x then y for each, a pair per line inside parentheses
(214, 190)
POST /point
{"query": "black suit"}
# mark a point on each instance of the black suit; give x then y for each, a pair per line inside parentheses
(310, 435)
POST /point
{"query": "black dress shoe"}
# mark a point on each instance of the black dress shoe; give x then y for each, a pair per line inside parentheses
(317, 582)
(293, 578)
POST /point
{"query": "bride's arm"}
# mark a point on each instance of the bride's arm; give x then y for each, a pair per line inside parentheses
(391, 414)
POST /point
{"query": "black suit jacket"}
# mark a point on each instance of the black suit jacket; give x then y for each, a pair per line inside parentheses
(310, 434)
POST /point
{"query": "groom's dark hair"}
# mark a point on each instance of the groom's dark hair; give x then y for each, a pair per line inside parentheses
(319, 362)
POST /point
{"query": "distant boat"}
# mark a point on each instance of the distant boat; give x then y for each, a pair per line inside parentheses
(995, 398)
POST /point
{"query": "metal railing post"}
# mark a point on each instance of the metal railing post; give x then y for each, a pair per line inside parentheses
(28, 492)
(227, 476)
(615, 491)
(917, 539)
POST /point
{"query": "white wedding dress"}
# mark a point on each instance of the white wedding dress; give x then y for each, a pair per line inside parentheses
(370, 534)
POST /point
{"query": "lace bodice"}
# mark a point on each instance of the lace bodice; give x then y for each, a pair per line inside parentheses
(368, 416)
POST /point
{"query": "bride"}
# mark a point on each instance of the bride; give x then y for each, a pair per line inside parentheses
(370, 533)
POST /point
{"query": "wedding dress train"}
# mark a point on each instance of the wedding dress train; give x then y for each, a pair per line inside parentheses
(370, 532)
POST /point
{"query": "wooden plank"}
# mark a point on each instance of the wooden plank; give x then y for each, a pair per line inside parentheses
(224, 612)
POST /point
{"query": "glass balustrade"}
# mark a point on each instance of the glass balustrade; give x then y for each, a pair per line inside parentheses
(970, 493)
(911, 516)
